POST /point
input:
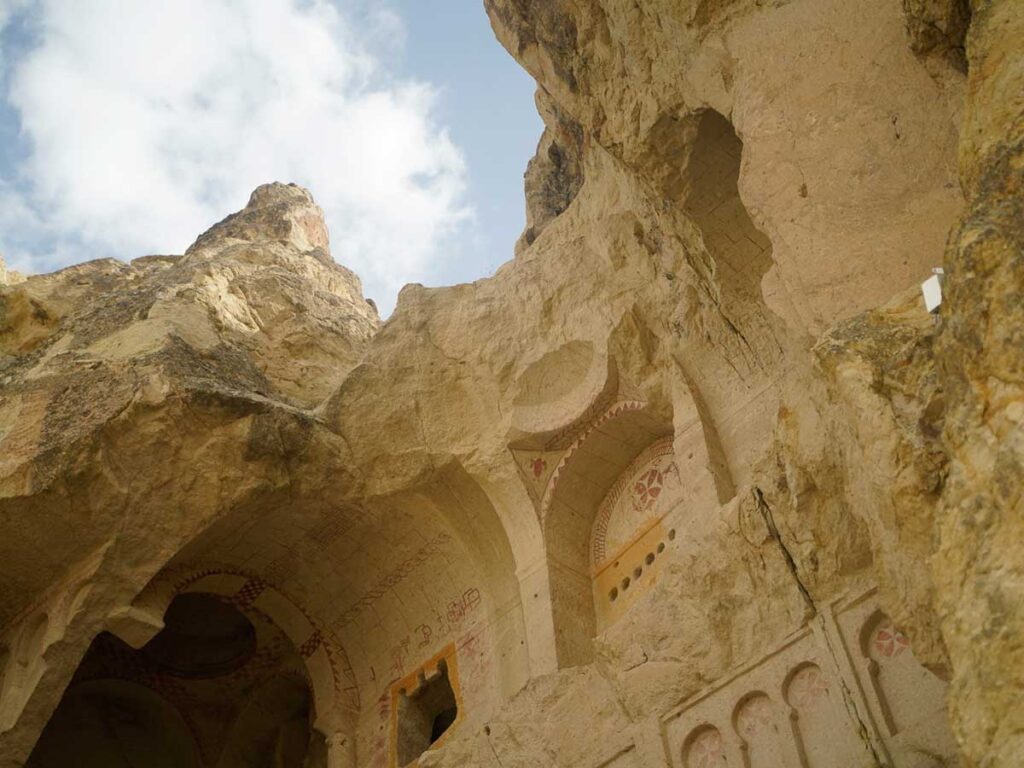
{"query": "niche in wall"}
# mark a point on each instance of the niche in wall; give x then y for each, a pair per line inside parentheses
(426, 707)
(629, 537)
(909, 702)
(796, 707)
(592, 466)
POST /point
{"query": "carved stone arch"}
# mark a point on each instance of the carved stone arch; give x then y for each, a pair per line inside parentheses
(597, 455)
(573, 441)
(72, 601)
(657, 469)
(335, 694)
(633, 529)
(30, 667)
(31, 639)
(906, 694)
(757, 720)
(815, 722)
(867, 633)
(704, 747)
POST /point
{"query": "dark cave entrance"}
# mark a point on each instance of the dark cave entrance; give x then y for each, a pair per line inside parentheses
(215, 687)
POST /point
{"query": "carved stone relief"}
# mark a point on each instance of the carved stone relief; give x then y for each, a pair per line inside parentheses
(629, 538)
(803, 707)
(906, 700)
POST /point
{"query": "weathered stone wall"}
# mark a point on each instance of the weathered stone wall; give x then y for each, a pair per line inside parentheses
(686, 480)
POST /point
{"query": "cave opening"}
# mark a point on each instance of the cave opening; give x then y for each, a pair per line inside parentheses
(215, 687)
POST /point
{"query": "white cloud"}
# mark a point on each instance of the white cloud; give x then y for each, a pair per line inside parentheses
(150, 120)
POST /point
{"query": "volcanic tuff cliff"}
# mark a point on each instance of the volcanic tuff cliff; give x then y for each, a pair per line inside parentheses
(712, 315)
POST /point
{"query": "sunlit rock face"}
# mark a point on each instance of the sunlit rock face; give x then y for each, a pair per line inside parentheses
(693, 480)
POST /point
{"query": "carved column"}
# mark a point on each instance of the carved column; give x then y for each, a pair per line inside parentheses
(535, 589)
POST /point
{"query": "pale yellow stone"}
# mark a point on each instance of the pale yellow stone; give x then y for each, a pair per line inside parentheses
(693, 480)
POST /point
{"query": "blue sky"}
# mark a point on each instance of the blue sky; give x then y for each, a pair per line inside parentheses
(129, 126)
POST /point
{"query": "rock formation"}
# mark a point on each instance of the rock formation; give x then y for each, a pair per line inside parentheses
(693, 480)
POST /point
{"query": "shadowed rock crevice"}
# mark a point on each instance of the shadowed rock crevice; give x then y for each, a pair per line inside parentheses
(939, 27)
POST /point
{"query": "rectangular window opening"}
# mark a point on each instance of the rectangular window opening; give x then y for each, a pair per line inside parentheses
(425, 714)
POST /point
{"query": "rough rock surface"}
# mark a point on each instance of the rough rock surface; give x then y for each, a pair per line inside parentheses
(979, 564)
(695, 462)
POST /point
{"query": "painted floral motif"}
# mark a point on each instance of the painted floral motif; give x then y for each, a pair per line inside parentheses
(889, 641)
(755, 717)
(808, 685)
(647, 489)
(706, 750)
(537, 467)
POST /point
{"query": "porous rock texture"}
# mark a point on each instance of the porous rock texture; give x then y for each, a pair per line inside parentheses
(682, 484)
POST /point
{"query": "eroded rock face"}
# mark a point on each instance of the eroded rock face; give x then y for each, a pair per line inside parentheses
(554, 175)
(978, 566)
(938, 27)
(141, 400)
(693, 480)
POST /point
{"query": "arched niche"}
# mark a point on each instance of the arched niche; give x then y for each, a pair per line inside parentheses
(630, 535)
(711, 198)
(368, 591)
(818, 720)
(735, 296)
(704, 747)
(588, 468)
(910, 698)
(758, 722)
